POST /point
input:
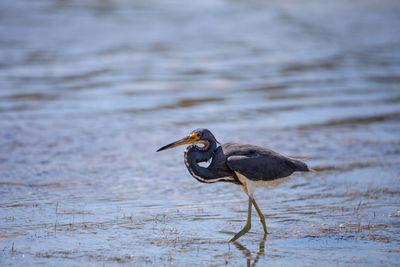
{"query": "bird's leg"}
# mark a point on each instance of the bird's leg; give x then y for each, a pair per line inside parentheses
(262, 218)
(247, 227)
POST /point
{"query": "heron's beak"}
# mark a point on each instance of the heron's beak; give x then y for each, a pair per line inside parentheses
(190, 139)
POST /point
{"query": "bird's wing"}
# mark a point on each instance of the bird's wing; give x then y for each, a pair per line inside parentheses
(257, 163)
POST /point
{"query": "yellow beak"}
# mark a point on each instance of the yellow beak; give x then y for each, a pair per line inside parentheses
(184, 141)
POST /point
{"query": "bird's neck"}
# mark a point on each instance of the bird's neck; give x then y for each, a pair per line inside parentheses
(192, 156)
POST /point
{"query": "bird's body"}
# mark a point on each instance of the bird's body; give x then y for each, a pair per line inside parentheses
(242, 164)
(245, 165)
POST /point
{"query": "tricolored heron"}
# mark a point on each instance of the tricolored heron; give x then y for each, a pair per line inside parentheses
(245, 165)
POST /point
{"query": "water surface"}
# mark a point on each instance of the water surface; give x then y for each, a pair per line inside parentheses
(89, 90)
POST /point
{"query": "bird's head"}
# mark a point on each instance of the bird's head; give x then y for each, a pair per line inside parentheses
(200, 136)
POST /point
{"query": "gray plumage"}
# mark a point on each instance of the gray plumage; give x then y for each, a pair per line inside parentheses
(254, 162)
(258, 163)
(245, 165)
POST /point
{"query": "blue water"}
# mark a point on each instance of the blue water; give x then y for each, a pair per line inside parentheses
(89, 90)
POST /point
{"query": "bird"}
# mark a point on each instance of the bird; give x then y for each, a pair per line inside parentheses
(247, 166)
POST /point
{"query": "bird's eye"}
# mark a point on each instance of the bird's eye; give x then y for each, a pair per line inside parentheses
(196, 135)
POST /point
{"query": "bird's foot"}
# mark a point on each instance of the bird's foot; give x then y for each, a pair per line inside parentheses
(245, 229)
(265, 227)
(260, 215)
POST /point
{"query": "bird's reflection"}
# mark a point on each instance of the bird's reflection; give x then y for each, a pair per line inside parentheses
(247, 253)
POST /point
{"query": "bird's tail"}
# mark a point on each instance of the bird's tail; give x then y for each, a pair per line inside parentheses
(301, 166)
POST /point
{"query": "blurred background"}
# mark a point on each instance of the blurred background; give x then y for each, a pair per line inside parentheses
(90, 89)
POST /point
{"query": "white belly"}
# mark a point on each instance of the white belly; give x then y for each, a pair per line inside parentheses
(249, 186)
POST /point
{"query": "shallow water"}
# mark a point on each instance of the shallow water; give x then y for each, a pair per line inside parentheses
(90, 89)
